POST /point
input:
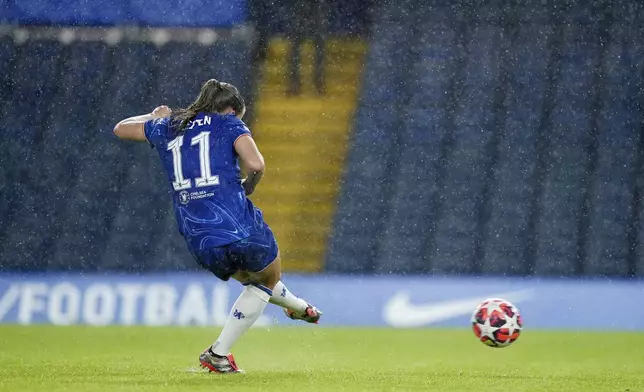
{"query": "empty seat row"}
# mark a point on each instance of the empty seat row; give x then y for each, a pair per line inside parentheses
(77, 197)
(518, 150)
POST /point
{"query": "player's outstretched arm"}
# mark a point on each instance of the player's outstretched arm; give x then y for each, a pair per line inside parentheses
(132, 128)
(252, 160)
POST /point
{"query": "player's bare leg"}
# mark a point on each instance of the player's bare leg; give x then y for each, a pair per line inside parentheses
(246, 310)
(294, 307)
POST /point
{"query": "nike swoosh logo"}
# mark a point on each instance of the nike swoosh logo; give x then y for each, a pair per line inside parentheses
(400, 312)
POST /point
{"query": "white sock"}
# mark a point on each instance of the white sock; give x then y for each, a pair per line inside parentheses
(246, 310)
(284, 298)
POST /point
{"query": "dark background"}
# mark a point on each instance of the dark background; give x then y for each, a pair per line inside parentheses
(495, 137)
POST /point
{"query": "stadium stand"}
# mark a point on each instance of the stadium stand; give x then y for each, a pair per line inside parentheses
(516, 151)
(503, 138)
(99, 204)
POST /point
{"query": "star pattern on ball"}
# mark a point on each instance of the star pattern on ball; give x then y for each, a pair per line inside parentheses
(511, 324)
(495, 305)
(496, 322)
(487, 329)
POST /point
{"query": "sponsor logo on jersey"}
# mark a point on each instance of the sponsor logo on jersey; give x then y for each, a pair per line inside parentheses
(184, 197)
(202, 194)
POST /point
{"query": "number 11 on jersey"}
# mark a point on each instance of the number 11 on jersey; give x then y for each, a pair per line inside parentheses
(206, 178)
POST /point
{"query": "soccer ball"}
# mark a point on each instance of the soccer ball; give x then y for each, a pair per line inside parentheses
(496, 322)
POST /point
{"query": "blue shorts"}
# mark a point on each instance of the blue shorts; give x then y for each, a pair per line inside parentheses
(252, 254)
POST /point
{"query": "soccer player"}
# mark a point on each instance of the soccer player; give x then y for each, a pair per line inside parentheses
(200, 148)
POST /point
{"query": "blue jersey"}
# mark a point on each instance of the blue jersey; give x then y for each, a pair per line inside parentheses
(210, 204)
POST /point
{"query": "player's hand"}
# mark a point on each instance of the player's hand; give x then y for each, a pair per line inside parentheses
(248, 189)
(161, 112)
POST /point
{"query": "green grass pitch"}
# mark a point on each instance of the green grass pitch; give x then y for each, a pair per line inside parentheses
(46, 358)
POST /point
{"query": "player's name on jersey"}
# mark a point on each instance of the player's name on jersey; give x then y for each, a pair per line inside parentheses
(206, 120)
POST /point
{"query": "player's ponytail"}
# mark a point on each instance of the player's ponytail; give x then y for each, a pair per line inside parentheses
(214, 97)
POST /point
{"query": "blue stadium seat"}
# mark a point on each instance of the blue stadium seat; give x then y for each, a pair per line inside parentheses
(142, 192)
(415, 186)
(8, 55)
(74, 107)
(514, 174)
(530, 12)
(100, 177)
(619, 125)
(231, 62)
(383, 212)
(567, 156)
(632, 15)
(456, 230)
(27, 115)
(373, 150)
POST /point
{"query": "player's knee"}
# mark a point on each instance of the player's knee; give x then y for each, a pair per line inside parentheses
(242, 277)
(276, 278)
(270, 279)
(270, 276)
